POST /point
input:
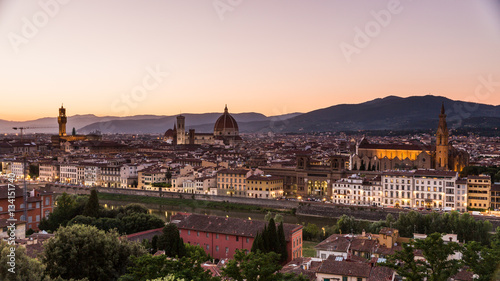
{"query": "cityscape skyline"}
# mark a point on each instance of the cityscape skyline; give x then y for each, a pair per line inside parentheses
(272, 58)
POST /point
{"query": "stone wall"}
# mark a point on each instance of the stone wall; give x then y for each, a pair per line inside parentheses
(302, 208)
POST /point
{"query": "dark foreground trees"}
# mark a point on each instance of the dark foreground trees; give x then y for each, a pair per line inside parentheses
(271, 240)
(81, 251)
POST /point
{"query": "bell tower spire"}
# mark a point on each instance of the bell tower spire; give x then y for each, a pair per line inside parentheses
(442, 135)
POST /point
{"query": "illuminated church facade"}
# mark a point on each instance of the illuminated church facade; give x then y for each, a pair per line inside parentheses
(441, 156)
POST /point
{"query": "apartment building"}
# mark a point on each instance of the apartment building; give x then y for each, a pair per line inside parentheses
(356, 190)
(479, 191)
(266, 187)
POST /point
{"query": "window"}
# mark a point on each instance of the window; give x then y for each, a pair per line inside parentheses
(360, 279)
(237, 238)
(37, 218)
(344, 278)
(189, 232)
(216, 248)
(227, 250)
(208, 235)
(208, 247)
(227, 237)
(197, 233)
(248, 240)
(217, 236)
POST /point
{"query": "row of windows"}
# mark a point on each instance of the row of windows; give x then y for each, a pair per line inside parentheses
(232, 175)
(216, 235)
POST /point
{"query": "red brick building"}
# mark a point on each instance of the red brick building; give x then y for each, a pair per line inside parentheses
(220, 237)
(40, 204)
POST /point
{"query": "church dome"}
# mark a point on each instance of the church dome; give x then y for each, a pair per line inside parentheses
(226, 125)
(169, 134)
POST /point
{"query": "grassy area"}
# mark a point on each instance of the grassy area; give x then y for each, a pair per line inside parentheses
(184, 202)
(308, 248)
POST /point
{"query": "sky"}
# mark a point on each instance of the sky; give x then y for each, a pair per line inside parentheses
(164, 57)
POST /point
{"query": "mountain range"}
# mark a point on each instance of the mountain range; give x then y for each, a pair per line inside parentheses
(389, 113)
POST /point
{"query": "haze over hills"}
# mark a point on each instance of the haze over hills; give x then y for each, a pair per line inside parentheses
(389, 113)
(130, 124)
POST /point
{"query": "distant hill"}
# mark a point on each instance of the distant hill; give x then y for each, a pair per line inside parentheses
(395, 113)
(203, 123)
(389, 113)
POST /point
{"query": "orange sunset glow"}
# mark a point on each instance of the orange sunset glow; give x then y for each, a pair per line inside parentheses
(123, 57)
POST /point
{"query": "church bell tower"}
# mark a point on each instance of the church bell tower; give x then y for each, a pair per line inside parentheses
(181, 130)
(442, 142)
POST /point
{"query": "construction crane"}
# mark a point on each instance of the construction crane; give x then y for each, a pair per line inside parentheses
(25, 128)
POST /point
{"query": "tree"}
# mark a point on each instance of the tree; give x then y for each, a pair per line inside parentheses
(80, 251)
(168, 175)
(436, 253)
(150, 267)
(154, 244)
(80, 219)
(73, 132)
(278, 218)
(253, 266)
(171, 242)
(268, 216)
(67, 208)
(196, 253)
(403, 262)
(133, 208)
(258, 244)
(346, 224)
(25, 268)
(435, 267)
(282, 243)
(483, 260)
(273, 237)
(137, 222)
(169, 277)
(311, 232)
(34, 171)
(92, 206)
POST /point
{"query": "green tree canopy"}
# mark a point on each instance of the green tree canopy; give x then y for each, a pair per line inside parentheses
(25, 268)
(437, 265)
(171, 242)
(92, 206)
(150, 267)
(81, 251)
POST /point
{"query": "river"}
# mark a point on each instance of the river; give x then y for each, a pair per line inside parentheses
(166, 211)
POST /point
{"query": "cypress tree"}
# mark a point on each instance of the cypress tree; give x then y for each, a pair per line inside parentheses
(265, 240)
(257, 243)
(282, 243)
(273, 237)
(92, 206)
(154, 243)
(171, 242)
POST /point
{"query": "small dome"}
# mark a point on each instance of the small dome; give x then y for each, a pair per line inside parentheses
(225, 124)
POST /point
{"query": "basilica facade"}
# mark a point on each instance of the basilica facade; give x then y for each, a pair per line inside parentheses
(440, 156)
